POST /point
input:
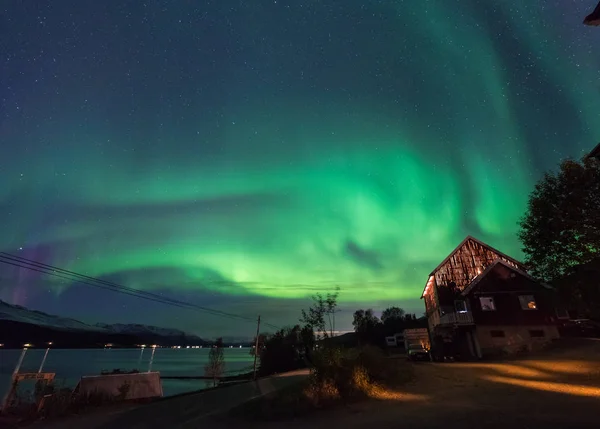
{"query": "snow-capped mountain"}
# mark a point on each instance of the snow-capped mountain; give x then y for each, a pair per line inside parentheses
(17, 313)
(152, 332)
(20, 325)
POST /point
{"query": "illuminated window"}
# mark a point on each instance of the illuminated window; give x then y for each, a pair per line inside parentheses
(527, 302)
(487, 303)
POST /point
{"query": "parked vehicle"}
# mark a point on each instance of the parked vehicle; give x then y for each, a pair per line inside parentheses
(416, 344)
(580, 328)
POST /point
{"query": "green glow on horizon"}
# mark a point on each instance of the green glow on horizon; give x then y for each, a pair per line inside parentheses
(299, 191)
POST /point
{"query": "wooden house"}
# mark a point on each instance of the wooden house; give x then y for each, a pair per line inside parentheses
(480, 301)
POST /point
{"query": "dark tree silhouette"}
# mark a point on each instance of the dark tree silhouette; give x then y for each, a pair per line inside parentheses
(560, 234)
(368, 327)
(320, 316)
(392, 313)
(561, 228)
(284, 350)
(579, 289)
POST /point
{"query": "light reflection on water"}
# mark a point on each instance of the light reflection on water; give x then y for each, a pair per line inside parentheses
(70, 365)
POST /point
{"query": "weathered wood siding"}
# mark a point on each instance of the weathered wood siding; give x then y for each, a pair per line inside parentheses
(467, 263)
(431, 302)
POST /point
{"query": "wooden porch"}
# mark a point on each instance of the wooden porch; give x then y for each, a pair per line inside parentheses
(455, 318)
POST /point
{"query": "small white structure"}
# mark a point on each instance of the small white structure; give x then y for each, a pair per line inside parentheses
(396, 340)
(128, 386)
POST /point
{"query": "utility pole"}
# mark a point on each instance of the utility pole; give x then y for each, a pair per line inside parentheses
(256, 345)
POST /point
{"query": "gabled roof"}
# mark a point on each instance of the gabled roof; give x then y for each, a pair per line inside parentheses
(469, 237)
(462, 243)
(485, 272)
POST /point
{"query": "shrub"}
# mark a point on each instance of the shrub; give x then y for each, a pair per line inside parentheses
(338, 376)
(321, 393)
(352, 374)
(373, 359)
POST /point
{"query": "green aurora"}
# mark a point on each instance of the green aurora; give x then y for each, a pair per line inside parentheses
(273, 151)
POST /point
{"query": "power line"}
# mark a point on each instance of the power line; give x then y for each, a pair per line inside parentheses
(108, 285)
(80, 278)
(76, 280)
(40, 267)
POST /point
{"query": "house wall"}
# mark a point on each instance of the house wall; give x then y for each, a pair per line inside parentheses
(505, 286)
(430, 296)
(431, 303)
(515, 340)
(433, 320)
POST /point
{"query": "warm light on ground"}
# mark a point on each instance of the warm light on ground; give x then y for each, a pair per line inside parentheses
(392, 395)
(536, 368)
(569, 389)
(509, 369)
(564, 367)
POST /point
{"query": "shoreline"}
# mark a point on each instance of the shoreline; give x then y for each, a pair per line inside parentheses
(236, 377)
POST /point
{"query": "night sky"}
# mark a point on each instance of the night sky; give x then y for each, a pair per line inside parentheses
(243, 155)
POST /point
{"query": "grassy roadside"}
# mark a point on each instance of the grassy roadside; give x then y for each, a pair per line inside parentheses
(338, 378)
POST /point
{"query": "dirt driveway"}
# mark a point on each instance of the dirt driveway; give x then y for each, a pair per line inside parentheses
(560, 389)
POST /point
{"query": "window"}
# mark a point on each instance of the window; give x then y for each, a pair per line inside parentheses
(460, 306)
(527, 302)
(497, 334)
(537, 333)
(487, 303)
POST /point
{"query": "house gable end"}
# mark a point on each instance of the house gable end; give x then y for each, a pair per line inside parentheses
(503, 295)
(468, 261)
(500, 270)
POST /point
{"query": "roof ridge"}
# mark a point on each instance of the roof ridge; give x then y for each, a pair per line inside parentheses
(481, 243)
(489, 268)
(470, 237)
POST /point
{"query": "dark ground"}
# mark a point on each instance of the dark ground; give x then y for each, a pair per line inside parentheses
(184, 411)
(556, 389)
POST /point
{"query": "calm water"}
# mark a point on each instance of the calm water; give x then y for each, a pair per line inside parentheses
(70, 365)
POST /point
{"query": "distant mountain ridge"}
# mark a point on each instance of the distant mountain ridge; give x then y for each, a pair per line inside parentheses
(18, 313)
(19, 325)
(136, 328)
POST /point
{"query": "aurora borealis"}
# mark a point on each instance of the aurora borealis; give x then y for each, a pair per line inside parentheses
(246, 154)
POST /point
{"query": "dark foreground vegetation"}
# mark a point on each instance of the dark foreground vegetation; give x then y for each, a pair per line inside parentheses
(560, 233)
(52, 401)
(337, 377)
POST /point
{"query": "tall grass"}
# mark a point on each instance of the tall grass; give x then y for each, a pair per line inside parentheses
(338, 376)
(348, 375)
(53, 400)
